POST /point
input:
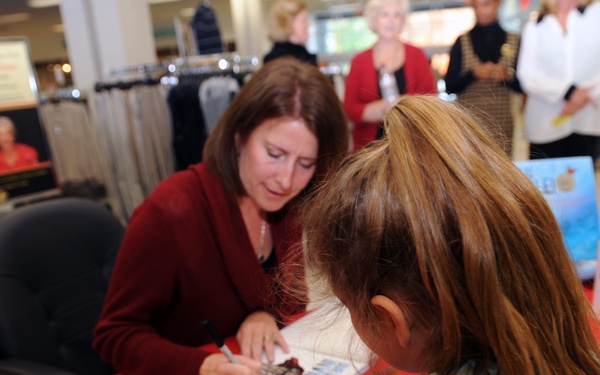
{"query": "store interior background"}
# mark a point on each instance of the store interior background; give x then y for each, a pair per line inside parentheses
(337, 31)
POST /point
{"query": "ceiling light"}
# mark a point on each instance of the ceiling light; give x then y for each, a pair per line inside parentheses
(42, 3)
(59, 28)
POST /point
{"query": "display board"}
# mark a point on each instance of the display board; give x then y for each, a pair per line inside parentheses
(26, 171)
(569, 186)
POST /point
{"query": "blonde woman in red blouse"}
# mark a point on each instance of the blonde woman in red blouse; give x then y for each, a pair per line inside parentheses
(410, 66)
(14, 155)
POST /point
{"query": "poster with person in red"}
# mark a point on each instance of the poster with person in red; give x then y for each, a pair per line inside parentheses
(26, 169)
(14, 155)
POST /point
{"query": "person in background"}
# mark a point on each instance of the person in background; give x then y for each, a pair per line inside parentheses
(449, 263)
(364, 102)
(288, 29)
(481, 71)
(14, 155)
(216, 241)
(559, 70)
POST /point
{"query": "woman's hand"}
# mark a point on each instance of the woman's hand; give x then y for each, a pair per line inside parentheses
(484, 71)
(259, 332)
(375, 111)
(218, 364)
(492, 72)
(579, 99)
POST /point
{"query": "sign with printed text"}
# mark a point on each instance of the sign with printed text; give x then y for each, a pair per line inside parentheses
(17, 82)
(26, 169)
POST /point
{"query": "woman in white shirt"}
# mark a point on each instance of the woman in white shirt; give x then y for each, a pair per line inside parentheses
(559, 69)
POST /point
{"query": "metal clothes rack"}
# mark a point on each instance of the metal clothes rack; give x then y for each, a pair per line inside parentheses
(214, 64)
(168, 71)
(126, 77)
(208, 65)
(58, 95)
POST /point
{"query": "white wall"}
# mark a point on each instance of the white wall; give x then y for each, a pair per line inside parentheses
(48, 45)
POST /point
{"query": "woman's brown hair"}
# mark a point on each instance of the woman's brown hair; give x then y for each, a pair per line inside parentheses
(283, 87)
(437, 217)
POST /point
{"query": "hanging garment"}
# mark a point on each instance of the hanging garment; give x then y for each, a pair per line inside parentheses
(215, 95)
(134, 127)
(189, 132)
(206, 30)
(73, 142)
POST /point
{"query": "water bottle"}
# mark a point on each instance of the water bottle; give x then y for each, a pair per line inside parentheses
(388, 85)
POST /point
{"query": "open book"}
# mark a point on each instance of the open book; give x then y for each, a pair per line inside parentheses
(324, 342)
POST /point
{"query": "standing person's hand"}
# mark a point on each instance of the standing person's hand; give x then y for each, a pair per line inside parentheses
(484, 71)
(375, 111)
(579, 99)
(501, 73)
(259, 332)
(218, 364)
(568, 109)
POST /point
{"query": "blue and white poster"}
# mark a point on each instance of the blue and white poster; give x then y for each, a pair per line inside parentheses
(569, 186)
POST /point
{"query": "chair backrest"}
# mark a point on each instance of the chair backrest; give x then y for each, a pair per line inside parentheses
(56, 258)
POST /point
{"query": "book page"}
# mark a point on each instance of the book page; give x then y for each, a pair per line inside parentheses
(325, 340)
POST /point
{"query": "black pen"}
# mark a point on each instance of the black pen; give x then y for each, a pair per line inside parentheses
(212, 331)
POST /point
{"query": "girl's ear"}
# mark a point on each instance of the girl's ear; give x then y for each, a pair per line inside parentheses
(393, 316)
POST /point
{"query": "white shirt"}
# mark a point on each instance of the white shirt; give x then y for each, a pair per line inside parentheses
(550, 62)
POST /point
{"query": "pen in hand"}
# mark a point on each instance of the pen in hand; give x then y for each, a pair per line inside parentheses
(212, 331)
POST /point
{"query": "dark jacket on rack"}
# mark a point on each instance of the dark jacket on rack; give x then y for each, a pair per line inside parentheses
(206, 30)
(189, 130)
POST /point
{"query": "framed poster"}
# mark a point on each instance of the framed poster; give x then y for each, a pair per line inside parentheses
(569, 186)
(26, 171)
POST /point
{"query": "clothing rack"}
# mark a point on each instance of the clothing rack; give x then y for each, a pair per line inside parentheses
(61, 94)
(137, 72)
(125, 85)
(217, 63)
(168, 71)
(124, 78)
(152, 119)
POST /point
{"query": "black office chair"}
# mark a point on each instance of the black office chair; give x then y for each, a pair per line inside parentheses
(56, 258)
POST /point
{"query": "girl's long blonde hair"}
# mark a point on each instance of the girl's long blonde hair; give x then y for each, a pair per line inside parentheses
(436, 216)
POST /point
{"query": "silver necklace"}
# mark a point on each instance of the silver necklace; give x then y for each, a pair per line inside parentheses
(261, 254)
